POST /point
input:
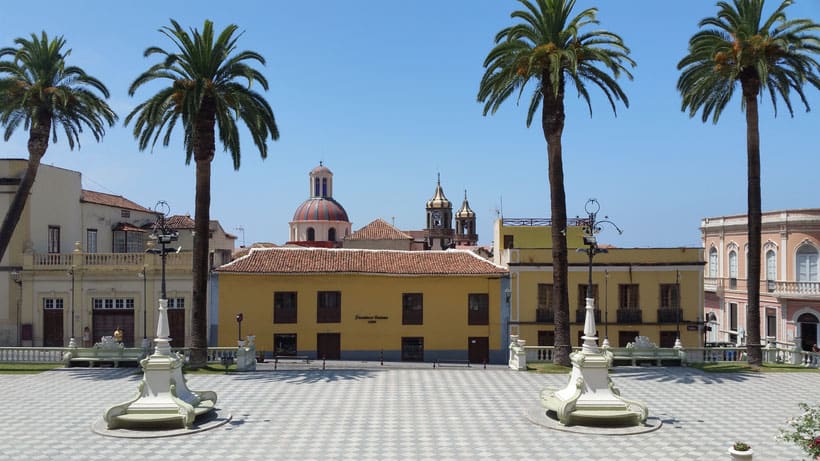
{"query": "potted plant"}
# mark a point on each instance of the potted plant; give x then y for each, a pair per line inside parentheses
(741, 451)
(804, 431)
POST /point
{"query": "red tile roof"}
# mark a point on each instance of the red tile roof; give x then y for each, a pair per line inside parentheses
(378, 230)
(118, 201)
(179, 221)
(335, 260)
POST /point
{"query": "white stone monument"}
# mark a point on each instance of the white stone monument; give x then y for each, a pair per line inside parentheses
(590, 397)
(163, 399)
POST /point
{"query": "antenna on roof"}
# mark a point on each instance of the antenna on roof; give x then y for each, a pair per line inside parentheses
(241, 229)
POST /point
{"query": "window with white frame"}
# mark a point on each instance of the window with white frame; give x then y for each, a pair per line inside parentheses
(771, 265)
(713, 263)
(112, 303)
(807, 263)
(733, 264)
(53, 239)
(91, 240)
(52, 303)
(176, 303)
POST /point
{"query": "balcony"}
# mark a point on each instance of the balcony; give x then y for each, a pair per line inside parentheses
(104, 261)
(785, 289)
(543, 315)
(580, 315)
(670, 315)
(630, 315)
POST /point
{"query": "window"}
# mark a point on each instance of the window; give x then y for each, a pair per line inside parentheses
(52, 303)
(670, 295)
(545, 296)
(176, 303)
(733, 316)
(509, 241)
(125, 213)
(628, 296)
(91, 241)
(478, 306)
(331, 235)
(713, 263)
(733, 264)
(412, 309)
(316, 187)
(328, 307)
(668, 338)
(112, 303)
(771, 265)
(284, 307)
(53, 239)
(771, 323)
(311, 234)
(128, 242)
(284, 344)
(324, 187)
(582, 295)
(807, 264)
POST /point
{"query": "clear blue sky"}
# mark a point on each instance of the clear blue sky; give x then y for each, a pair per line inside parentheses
(384, 92)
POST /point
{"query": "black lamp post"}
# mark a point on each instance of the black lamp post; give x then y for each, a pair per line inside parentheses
(677, 303)
(239, 318)
(144, 278)
(592, 228)
(164, 235)
(71, 273)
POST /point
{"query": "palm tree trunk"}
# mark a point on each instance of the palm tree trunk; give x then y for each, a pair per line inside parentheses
(37, 145)
(751, 89)
(552, 120)
(203, 155)
(199, 317)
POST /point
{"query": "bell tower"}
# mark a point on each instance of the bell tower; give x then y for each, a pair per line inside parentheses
(465, 225)
(438, 235)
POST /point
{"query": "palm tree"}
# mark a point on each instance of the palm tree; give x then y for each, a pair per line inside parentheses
(203, 92)
(549, 46)
(763, 54)
(39, 91)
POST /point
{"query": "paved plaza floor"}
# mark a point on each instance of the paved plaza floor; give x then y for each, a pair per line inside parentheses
(370, 412)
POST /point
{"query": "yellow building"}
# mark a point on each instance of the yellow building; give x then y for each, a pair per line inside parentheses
(357, 304)
(653, 292)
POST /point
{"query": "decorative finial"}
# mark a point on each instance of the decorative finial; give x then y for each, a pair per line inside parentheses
(320, 163)
(438, 178)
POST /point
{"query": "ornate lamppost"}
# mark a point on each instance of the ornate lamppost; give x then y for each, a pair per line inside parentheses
(590, 397)
(144, 276)
(164, 398)
(592, 228)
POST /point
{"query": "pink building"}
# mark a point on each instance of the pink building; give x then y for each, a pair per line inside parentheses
(789, 285)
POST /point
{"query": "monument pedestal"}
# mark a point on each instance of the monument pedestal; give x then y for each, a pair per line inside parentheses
(163, 399)
(590, 398)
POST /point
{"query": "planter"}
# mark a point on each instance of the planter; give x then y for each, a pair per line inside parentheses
(741, 455)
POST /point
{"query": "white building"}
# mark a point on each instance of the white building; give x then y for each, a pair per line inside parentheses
(78, 260)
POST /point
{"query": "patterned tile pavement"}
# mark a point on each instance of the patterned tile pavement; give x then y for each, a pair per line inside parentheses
(365, 411)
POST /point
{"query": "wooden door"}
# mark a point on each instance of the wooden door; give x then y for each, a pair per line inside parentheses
(328, 346)
(478, 349)
(53, 328)
(105, 321)
(176, 325)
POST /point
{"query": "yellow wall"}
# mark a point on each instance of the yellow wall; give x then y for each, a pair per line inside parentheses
(445, 311)
(530, 263)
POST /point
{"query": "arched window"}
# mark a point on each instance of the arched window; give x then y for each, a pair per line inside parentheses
(807, 263)
(733, 264)
(316, 187)
(311, 234)
(331, 234)
(324, 187)
(713, 262)
(771, 265)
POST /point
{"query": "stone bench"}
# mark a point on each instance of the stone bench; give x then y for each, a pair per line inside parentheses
(92, 356)
(643, 351)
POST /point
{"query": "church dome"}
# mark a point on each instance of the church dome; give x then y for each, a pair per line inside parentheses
(320, 209)
(439, 200)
